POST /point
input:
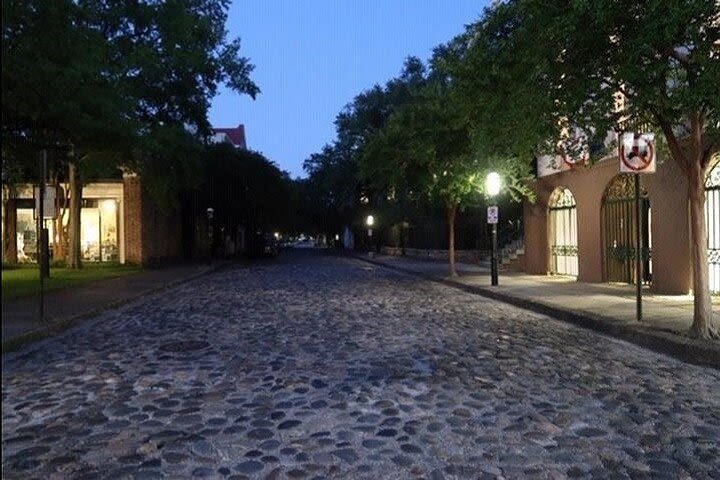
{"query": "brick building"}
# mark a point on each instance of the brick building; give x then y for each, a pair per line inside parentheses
(235, 136)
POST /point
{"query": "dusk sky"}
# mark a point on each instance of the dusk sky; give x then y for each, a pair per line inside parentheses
(312, 57)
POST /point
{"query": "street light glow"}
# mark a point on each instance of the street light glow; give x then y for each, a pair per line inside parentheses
(492, 184)
(370, 221)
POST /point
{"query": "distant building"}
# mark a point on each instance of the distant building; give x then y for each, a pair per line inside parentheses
(235, 136)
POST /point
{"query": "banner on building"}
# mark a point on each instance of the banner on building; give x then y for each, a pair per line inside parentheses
(551, 164)
(637, 153)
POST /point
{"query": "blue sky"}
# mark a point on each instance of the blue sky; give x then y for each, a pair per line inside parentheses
(312, 57)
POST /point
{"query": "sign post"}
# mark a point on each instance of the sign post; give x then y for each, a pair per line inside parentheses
(45, 209)
(492, 219)
(637, 156)
(370, 221)
(42, 234)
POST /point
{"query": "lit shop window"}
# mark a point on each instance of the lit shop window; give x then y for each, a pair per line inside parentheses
(99, 230)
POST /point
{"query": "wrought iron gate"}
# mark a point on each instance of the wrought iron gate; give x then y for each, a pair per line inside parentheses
(619, 220)
(563, 233)
(712, 220)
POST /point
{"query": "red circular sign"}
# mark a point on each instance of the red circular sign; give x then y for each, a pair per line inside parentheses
(645, 156)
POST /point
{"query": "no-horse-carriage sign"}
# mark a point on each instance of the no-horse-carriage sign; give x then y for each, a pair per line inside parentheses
(637, 153)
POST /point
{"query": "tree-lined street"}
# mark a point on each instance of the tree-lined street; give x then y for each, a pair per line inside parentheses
(328, 367)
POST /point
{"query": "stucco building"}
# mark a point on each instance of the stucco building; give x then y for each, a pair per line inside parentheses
(583, 224)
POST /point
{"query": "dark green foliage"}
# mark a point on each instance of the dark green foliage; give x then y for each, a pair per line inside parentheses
(533, 68)
(246, 189)
(58, 83)
(534, 71)
(115, 82)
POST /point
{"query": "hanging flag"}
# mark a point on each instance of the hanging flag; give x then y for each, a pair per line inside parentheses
(551, 164)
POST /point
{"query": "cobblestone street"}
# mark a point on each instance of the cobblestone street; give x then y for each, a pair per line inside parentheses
(315, 366)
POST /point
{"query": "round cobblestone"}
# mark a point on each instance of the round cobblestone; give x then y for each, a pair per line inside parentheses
(314, 366)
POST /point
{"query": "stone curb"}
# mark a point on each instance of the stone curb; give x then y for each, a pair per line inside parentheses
(705, 353)
(62, 324)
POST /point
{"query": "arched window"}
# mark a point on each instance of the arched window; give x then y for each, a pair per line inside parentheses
(563, 232)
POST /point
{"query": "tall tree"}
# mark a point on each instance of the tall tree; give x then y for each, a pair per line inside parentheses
(128, 72)
(541, 66)
(58, 92)
(332, 189)
(427, 149)
(337, 193)
(257, 191)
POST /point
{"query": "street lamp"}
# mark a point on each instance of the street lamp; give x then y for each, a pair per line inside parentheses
(492, 188)
(210, 215)
(370, 221)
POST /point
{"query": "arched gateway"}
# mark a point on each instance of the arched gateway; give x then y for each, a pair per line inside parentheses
(712, 220)
(619, 220)
(563, 232)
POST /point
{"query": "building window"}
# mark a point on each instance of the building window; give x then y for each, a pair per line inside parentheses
(99, 230)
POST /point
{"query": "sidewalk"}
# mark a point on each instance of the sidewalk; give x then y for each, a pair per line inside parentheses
(20, 322)
(607, 308)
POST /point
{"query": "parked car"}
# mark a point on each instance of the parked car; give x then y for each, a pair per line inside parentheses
(263, 245)
(305, 242)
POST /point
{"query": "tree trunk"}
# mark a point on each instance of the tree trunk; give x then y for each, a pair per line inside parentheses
(451, 211)
(9, 254)
(693, 163)
(703, 325)
(60, 242)
(74, 259)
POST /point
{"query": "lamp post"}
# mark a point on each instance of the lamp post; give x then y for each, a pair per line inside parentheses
(492, 187)
(370, 221)
(210, 215)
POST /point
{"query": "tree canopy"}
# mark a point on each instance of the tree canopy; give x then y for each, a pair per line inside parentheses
(109, 76)
(536, 72)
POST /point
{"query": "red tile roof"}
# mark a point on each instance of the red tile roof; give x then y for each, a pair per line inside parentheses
(236, 135)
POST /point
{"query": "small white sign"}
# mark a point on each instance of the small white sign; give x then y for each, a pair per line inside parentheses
(637, 153)
(49, 203)
(492, 215)
(369, 232)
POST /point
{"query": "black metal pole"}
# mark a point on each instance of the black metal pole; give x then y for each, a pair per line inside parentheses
(44, 256)
(40, 228)
(210, 238)
(494, 262)
(638, 251)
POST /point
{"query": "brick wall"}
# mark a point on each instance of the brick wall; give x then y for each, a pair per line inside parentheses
(152, 235)
(162, 233)
(132, 204)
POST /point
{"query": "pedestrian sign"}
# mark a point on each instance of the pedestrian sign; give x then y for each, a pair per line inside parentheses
(492, 215)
